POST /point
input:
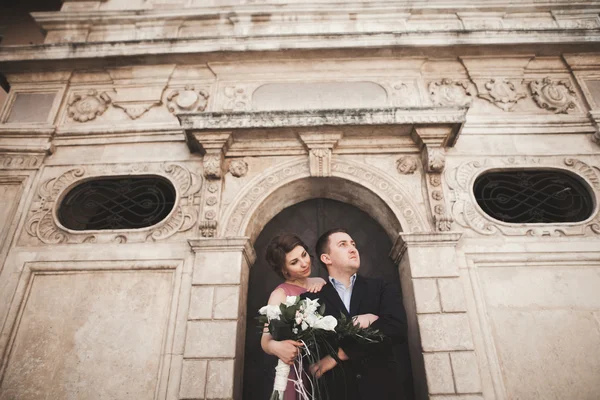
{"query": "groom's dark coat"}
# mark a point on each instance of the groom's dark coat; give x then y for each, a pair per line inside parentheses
(370, 373)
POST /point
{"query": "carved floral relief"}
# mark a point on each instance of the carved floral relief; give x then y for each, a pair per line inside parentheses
(449, 92)
(86, 107)
(556, 96)
(503, 93)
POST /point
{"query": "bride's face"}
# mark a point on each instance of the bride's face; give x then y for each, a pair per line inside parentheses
(297, 264)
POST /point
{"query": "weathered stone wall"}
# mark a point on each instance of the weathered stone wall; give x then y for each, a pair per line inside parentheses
(496, 310)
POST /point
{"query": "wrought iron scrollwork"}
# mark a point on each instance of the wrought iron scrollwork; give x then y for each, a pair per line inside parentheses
(535, 196)
(117, 203)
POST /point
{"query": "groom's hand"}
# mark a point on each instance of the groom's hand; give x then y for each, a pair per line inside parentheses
(323, 365)
(365, 320)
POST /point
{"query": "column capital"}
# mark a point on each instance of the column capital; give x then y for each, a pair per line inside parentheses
(227, 244)
(408, 240)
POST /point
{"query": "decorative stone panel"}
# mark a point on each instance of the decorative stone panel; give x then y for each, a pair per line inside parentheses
(42, 225)
(468, 214)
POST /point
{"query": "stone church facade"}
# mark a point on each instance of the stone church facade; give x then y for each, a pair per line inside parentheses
(247, 108)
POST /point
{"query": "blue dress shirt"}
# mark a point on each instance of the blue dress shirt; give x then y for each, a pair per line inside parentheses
(344, 292)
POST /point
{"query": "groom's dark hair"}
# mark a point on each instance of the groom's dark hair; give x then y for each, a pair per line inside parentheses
(322, 245)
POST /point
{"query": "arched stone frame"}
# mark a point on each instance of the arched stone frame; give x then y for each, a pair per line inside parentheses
(388, 203)
(354, 183)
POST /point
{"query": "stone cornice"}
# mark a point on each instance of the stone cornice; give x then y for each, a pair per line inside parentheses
(279, 119)
(244, 43)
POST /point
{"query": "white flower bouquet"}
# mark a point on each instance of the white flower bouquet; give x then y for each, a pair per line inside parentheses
(303, 320)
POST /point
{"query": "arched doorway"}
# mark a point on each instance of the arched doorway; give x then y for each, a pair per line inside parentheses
(309, 219)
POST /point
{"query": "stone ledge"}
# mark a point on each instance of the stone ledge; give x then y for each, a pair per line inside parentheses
(239, 43)
(358, 116)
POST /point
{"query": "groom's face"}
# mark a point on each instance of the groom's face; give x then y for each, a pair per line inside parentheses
(343, 253)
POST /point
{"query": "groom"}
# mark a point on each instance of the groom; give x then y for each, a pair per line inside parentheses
(361, 371)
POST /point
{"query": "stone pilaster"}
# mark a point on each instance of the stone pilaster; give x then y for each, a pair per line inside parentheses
(213, 353)
(432, 141)
(440, 338)
(213, 146)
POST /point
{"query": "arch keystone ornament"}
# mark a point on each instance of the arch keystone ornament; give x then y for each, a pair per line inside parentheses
(320, 146)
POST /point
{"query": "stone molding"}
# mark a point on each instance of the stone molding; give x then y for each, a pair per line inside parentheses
(226, 244)
(163, 49)
(275, 119)
(468, 214)
(42, 223)
(22, 159)
(186, 22)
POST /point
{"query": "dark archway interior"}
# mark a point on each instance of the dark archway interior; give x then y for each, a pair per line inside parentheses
(309, 219)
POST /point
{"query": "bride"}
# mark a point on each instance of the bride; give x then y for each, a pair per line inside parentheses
(288, 256)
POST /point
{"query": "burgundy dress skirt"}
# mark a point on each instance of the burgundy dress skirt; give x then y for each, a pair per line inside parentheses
(291, 290)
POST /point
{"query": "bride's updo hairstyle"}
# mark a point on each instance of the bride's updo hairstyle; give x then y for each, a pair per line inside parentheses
(279, 246)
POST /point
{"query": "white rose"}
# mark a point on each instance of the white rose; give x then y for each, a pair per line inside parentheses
(290, 300)
(327, 323)
(271, 311)
(304, 326)
(311, 319)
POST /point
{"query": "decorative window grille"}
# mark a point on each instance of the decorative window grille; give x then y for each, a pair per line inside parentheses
(117, 203)
(533, 196)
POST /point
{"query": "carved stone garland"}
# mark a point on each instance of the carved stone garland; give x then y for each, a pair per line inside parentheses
(41, 222)
(503, 93)
(468, 214)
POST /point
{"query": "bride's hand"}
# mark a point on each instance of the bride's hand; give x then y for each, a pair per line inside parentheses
(315, 285)
(285, 350)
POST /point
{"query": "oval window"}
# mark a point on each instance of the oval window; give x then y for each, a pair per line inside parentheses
(117, 203)
(533, 196)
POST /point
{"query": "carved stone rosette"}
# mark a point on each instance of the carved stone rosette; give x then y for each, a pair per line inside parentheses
(559, 97)
(448, 92)
(87, 106)
(503, 93)
(238, 168)
(406, 165)
(42, 225)
(468, 214)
